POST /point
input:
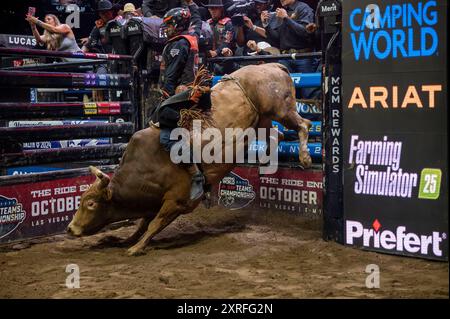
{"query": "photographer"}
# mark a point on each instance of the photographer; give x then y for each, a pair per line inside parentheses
(289, 25)
(253, 29)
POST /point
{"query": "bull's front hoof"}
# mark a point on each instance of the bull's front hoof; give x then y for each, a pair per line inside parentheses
(305, 159)
(134, 251)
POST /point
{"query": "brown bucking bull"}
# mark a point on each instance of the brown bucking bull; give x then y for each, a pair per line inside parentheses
(149, 186)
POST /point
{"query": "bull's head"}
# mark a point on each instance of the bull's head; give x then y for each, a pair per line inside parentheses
(93, 213)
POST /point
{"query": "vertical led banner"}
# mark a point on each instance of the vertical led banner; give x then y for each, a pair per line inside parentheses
(394, 64)
(330, 15)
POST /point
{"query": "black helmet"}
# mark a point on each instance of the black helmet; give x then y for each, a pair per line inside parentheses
(177, 17)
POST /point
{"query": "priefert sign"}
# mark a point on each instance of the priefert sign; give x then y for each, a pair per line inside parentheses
(398, 240)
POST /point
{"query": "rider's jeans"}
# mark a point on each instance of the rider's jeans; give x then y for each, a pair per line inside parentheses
(167, 143)
(164, 139)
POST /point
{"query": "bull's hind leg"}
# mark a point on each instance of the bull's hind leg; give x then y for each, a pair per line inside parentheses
(169, 211)
(294, 121)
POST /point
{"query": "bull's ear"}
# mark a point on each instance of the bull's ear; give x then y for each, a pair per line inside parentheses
(102, 177)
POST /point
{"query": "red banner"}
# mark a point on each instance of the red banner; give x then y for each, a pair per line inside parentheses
(39, 209)
(45, 208)
(289, 189)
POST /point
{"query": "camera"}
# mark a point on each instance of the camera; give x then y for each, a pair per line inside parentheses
(239, 9)
(32, 11)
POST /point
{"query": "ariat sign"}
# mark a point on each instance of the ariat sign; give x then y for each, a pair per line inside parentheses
(389, 98)
(394, 240)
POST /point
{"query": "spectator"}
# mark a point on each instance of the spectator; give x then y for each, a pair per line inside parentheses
(289, 25)
(204, 13)
(158, 8)
(224, 40)
(96, 41)
(56, 37)
(253, 29)
(129, 11)
(313, 29)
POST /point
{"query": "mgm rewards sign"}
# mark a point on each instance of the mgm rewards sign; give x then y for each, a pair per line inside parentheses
(395, 121)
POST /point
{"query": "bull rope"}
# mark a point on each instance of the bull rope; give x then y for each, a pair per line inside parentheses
(198, 87)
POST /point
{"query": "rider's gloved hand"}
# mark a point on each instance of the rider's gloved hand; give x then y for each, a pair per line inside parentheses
(195, 96)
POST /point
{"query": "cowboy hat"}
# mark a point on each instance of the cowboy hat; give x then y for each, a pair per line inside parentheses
(104, 5)
(129, 7)
(266, 47)
(214, 4)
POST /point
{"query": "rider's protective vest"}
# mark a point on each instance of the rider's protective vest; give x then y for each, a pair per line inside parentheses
(191, 66)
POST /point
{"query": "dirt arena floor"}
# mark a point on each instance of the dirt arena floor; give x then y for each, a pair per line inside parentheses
(217, 254)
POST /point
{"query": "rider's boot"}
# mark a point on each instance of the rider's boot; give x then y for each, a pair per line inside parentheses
(198, 180)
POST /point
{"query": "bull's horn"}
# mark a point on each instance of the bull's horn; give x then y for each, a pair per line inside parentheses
(95, 171)
(104, 179)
